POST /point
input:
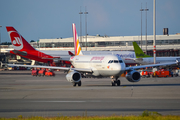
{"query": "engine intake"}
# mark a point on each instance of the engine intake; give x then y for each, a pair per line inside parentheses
(73, 76)
(133, 76)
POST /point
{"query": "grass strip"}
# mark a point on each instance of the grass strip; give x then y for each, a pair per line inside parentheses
(146, 115)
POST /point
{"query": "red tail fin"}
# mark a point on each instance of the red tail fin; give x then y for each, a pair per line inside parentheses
(18, 42)
(70, 53)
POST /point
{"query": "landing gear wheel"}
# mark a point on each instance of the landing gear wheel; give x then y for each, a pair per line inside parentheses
(79, 83)
(113, 83)
(74, 84)
(118, 82)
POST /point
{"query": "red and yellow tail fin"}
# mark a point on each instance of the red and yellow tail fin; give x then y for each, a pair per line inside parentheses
(77, 47)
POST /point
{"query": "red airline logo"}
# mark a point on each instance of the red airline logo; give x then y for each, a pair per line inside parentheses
(16, 40)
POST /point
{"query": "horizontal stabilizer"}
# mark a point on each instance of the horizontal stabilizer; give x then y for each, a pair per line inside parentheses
(23, 53)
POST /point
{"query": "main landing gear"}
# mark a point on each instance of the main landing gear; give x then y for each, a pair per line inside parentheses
(115, 81)
(79, 84)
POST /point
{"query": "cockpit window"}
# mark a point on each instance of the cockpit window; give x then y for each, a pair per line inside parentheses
(120, 61)
(110, 61)
(115, 61)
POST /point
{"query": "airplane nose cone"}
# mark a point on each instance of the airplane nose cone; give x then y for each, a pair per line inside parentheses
(118, 69)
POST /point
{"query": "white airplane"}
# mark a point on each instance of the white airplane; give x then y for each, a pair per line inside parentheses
(98, 66)
(142, 58)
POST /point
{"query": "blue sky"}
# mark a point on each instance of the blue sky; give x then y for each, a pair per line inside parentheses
(40, 19)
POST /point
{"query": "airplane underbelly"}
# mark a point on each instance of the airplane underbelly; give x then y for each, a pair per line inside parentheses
(104, 73)
(110, 73)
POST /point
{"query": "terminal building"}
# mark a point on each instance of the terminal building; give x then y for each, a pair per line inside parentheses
(166, 45)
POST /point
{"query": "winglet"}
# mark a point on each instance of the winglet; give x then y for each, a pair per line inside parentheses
(18, 42)
(138, 51)
(77, 47)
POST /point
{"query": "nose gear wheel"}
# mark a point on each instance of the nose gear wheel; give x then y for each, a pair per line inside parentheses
(115, 82)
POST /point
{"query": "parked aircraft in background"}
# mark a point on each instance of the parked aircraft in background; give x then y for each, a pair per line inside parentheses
(24, 49)
(97, 66)
(142, 58)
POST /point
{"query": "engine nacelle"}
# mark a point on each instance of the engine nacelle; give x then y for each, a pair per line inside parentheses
(73, 76)
(133, 76)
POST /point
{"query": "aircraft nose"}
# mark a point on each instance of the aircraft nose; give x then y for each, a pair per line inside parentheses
(118, 67)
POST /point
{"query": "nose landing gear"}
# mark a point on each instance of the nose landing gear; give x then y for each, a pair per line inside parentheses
(115, 81)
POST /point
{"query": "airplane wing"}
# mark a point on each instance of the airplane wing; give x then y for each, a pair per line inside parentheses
(52, 67)
(153, 65)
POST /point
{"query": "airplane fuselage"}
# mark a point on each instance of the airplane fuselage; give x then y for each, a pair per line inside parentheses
(127, 56)
(34, 55)
(101, 65)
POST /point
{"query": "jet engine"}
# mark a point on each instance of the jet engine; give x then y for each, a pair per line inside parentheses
(73, 76)
(133, 76)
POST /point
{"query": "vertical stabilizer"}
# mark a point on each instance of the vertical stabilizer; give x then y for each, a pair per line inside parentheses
(138, 51)
(77, 47)
(18, 42)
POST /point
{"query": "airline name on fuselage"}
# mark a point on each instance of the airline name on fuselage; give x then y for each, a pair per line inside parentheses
(140, 54)
(97, 58)
(130, 55)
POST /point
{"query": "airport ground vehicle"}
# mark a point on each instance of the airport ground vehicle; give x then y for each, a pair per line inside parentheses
(163, 73)
(41, 72)
(146, 73)
(34, 72)
(49, 73)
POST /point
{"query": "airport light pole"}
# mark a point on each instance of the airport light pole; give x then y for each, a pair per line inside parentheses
(141, 24)
(80, 13)
(146, 25)
(86, 25)
(154, 30)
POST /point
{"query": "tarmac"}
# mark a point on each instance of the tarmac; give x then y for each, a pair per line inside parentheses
(23, 94)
